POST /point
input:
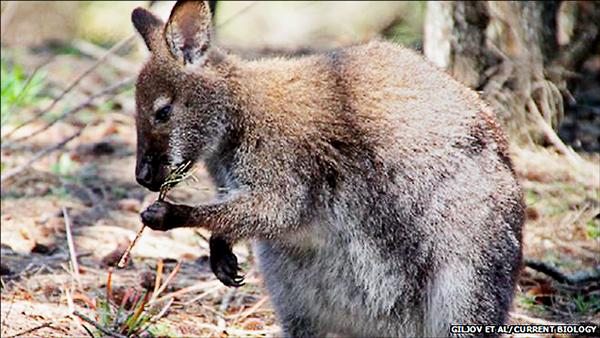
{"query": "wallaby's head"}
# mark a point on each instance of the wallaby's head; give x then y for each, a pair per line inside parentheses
(180, 92)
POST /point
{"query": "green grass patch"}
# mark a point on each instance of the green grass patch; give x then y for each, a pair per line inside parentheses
(18, 89)
(593, 229)
(64, 166)
(137, 312)
(587, 304)
(530, 303)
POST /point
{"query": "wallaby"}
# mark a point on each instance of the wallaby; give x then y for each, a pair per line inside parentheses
(378, 189)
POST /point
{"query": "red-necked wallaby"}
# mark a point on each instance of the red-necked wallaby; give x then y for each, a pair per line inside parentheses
(378, 190)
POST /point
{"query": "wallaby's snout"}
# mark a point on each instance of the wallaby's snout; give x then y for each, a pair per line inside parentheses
(150, 173)
(143, 174)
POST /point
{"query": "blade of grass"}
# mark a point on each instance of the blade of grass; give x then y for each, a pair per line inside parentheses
(73, 84)
(109, 295)
(159, 273)
(164, 285)
(71, 244)
(134, 321)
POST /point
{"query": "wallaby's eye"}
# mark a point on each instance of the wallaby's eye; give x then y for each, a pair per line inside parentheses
(162, 115)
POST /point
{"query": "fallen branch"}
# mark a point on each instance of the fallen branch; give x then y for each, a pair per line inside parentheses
(42, 153)
(578, 278)
(75, 82)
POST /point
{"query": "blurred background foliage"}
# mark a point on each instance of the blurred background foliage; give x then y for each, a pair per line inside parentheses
(274, 24)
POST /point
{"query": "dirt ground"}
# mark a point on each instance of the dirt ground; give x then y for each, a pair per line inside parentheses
(89, 185)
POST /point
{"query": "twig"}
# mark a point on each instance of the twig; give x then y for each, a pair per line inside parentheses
(204, 294)
(175, 176)
(178, 174)
(98, 52)
(199, 234)
(12, 301)
(164, 285)
(98, 326)
(125, 256)
(581, 277)
(108, 90)
(240, 316)
(39, 155)
(87, 331)
(185, 290)
(22, 333)
(71, 245)
(75, 82)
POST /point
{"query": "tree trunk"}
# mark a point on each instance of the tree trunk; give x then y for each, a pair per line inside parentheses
(510, 51)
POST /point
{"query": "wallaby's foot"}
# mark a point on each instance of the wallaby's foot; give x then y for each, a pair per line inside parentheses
(163, 216)
(223, 263)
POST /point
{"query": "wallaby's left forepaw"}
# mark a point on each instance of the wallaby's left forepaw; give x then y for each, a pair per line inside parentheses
(224, 264)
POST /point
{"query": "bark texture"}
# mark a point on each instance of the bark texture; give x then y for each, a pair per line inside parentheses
(511, 52)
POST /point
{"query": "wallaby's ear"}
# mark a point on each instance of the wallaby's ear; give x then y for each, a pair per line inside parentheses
(188, 30)
(149, 26)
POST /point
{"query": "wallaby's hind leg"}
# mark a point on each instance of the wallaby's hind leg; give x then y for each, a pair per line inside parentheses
(287, 284)
(295, 325)
(468, 295)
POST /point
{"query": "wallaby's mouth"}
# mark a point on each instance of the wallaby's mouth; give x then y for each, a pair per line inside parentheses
(152, 175)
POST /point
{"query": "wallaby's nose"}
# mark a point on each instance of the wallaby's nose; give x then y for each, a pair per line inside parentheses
(144, 175)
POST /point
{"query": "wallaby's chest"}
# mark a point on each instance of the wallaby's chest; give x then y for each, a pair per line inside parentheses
(336, 280)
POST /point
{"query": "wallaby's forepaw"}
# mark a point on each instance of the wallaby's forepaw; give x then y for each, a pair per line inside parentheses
(161, 216)
(224, 264)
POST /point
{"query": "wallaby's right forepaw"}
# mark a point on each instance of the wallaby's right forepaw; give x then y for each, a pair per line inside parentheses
(156, 215)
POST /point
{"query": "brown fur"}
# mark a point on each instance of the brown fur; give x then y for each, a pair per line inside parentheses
(379, 189)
